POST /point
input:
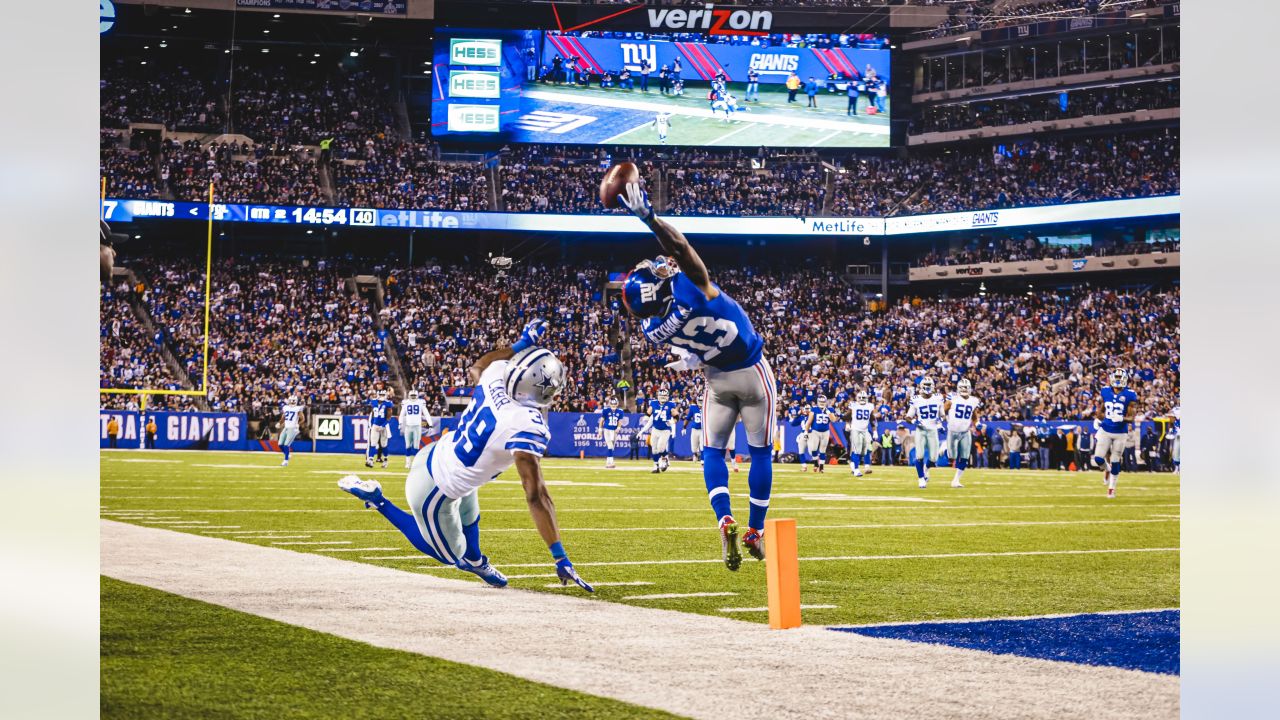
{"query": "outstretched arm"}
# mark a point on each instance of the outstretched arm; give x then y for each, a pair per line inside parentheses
(530, 335)
(543, 511)
(486, 360)
(673, 242)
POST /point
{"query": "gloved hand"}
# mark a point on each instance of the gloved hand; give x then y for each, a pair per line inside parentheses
(636, 200)
(532, 334)
(685, 360)
(565, 571)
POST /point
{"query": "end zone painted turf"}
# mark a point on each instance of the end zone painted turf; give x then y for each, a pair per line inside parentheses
(1147, 641)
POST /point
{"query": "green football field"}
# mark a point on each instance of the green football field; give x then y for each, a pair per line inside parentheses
(771, 121)
(872, 549)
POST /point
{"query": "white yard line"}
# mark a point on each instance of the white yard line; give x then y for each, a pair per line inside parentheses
(621, 583)
(653, 657)
(856, 526)
(702, 509)
(765, 609)
(730, 134)
(676, 596)
(315, 542)
(829, 558)
(348, 549)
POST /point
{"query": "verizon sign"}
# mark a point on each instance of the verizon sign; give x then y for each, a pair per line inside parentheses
(712, 21)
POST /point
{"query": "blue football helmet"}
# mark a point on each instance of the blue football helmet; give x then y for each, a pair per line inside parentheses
(646, 290)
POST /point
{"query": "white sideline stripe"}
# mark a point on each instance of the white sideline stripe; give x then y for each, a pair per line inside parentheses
(866, 526)
(179, 522)
(676, 596)
(271, 537)
(765, 609)
(620, 583)
(830, 558)
(748, 126)
(142, 460)
(702, 509)
(813, 673)
(316, 542)
(347, 549)
(563, 483)
(232, 466)
(1005, 617)
(786, 120)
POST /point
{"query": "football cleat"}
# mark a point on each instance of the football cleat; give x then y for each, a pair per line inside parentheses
(753, 541)
(924, 484)
(370, 491)
(956, 484)
(857, 473)
(384, 462)
(655, 470)
(1111, 493)
(729, 543)
(368, 462)
(285, 463)
(484, 571)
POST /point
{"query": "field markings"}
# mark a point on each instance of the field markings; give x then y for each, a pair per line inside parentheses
(1051, 616)
(814, 673)
(700, 509)
(859, 526)
(315, 542)
(765, 609)
(731, 133)
(828, 558)
(368, 549)
(272, 537)
(676, 596)
(559, 586)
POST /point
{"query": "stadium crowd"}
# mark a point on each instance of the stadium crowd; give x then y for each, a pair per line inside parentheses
(984, 250)
(128, 173)
(128, 357)
(796, 190)
(383, 172)
(238, 173)
(1050, 106)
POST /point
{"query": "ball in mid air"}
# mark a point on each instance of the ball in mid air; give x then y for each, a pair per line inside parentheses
(615, 181)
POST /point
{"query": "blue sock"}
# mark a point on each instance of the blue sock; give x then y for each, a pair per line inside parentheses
(1115, 470)
(285, 449)
(822, 458)
(472, 535)
(920, 469)
(407, 526)
(961, 464)
(715, 473)
(912, 457)
(760, 484)
(854, 460)
(866, 459)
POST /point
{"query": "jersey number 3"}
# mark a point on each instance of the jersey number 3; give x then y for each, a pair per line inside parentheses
(695, 334)
(474, 429)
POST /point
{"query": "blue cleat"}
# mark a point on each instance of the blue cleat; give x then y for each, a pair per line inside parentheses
(370, 491)
(484, 571)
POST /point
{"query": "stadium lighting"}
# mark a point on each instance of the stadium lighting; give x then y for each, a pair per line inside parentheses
(144, 62)
(313, 62)
(355, 53)
(276, 16)
(266, 50)
(187, 11)
(266, 32)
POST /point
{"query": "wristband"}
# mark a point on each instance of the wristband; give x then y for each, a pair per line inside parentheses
(557, 550)
(519, 345)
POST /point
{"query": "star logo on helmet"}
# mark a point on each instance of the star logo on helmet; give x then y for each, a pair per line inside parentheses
(548, 382)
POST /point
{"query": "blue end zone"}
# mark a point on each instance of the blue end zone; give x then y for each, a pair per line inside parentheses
(1138, 641)
(565, 122)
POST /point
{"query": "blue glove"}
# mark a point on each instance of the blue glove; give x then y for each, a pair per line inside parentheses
(636, 200)
(532, 334)
(565, 571)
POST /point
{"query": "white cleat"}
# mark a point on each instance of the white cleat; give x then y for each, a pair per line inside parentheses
(284, 464)
(956, 484)
(370, 491)
(923, 484)
(1111, 493)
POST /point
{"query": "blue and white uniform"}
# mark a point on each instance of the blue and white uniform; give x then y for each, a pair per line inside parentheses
(859, 428)
(1175, 435)
(610, 421)
(1113, 429)
(413, 419)
(661, 421)
(739, 379)
(442, 484)
(959, 427)
(927, 413)
(379, 426)
(819, 430)
(290, 415)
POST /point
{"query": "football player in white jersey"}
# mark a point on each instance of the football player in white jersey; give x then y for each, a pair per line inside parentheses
(290, 420)
(1175, 449)
(861, 413)
(926, 411)
(962, 411)
(662, 121)
(413, 418)
(503, 425)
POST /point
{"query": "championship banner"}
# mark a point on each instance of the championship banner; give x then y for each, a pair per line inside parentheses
(371, 7)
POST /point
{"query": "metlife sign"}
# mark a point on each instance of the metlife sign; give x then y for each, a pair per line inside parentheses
(1021, 216)
(475, 84)
(470, 51)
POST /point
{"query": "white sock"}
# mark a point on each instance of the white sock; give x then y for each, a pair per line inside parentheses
(958, 474)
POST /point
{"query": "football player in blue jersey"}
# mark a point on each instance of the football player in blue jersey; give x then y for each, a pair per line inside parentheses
(693, 421)
(610, 421)
(660, 422)
(379, 429)
(683, 309)
(1117, 406)
(817, 425)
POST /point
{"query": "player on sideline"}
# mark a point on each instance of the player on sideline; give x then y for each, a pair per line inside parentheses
(1117, 406)
(662, 121)
(610, 420)
(693, 420)
(413, 417)
(502, 426)
(683, 308)
(659, 423)
(1175, 449)
(861, 413)
(962, 413)
(291, 419)
(926, 410)
(817, 425)
(379, 413)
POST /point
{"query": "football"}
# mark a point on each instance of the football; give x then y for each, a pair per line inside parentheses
(615, 181)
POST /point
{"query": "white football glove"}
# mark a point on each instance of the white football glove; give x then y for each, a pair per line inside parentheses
(636, 200)
(685, 360)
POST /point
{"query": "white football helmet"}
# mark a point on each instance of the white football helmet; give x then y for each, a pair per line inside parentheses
(382, 394)
(964, 387)
(1119, 378)
(862, 396)
(612, 401)
(413, 395)
(534, 377)
(663, 395)
(291, 400)
(926, 387)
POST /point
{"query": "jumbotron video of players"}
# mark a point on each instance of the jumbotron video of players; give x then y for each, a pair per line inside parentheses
(640, 359)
